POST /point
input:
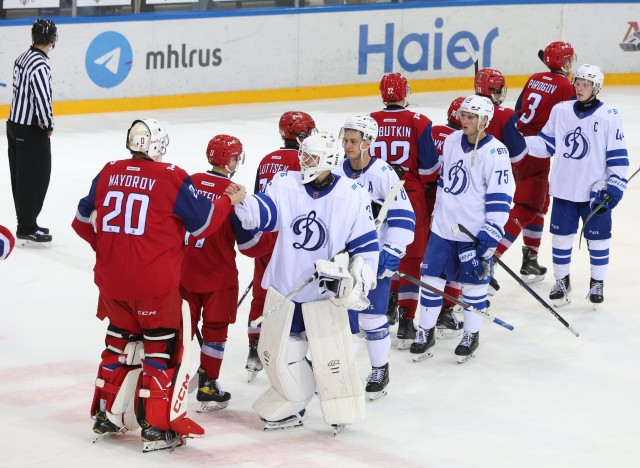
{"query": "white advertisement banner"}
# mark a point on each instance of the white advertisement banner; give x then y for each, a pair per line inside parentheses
(96, 3)
(108, 60)
(14, 4)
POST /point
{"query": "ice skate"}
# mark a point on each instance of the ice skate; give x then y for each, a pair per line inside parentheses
(448, 324)
(37, 238)
(211, 397)
(425, 341)
(294, 420)
(559, 294)
(254, 365)
(157, 439)
(531, 271)
(467, 347)
(103, 427)
(596, 292)
(377, 382)
(392, 308)
(406, 330)
(337, 428)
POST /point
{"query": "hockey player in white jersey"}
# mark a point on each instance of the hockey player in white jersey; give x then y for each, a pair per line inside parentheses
(318, 215)
(475, 190)
(587, 140)
(376, 176)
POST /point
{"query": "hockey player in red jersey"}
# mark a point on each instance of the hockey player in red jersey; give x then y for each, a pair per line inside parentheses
(7, 241)
(531, 200)
(406, 143)
(134, 218)
(294, 127)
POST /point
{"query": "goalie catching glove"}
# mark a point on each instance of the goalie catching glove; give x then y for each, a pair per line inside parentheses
(345, 283)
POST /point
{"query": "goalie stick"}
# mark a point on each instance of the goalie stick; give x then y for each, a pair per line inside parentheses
(462, 304)
(606, 200)
(473, 54)
(460, 228)
(382, 215)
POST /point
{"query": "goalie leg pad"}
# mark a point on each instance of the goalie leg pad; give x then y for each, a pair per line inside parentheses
(284, 362)
(340, 390)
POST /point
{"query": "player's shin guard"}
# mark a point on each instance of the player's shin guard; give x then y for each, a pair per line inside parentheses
(376, 329)
(340, 390)
(561, 249)
(599, 258)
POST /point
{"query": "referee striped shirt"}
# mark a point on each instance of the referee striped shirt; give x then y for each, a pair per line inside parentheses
(31, 104)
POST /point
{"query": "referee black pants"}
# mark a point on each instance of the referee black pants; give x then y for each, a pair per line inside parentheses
(30, 166)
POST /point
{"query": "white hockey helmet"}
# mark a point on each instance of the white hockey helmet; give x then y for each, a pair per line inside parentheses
(480, 106)
(148, 137)
(364, 124)
(591, 73)
(318, 153)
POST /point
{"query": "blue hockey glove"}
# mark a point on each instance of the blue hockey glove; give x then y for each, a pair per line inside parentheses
(471, 264)
(488, 239)
(609, 192)
(390, 256)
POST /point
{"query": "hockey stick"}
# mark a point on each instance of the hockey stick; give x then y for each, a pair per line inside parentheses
(473, 54)
(460, 228)
(462, 304)
(244, 294)
(541, 55)
(382, 215)
(606, 200)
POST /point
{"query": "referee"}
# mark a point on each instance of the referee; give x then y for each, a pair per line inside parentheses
(29, 129)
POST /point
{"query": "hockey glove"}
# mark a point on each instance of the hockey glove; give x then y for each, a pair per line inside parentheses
(609, 192)
(471, 264)
(390, 256)
(488, 239)
(363, 281)
(334, 278)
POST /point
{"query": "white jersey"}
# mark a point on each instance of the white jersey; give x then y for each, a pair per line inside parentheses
(472, 190)
(311, 225)
(377, 179)
(589, 146)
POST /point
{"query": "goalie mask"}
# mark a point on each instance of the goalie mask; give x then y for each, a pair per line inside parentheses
(296, 125)
(44, 31)
(480, 106)
(491, 83)
(452, 114)
(394, 87)
(559, 56)
(148, 137)
(591, 73)
(318, 153)
(222, 149)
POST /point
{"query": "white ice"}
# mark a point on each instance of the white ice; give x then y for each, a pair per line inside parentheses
(537, 396)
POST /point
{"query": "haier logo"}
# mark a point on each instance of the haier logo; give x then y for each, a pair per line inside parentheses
(108, 60)
(419, 51)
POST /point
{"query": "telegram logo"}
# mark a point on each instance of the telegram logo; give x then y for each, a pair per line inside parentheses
(108, 60)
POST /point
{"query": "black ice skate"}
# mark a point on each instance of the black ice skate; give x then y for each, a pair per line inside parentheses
(103, 427)
(295, 420)
(157, 439)
(448, 324)
(392, 308)
(406, 329)
(421, 348)
(531, 271)
(467, 347)
(560, 292)
(37, 238)
(377, 382)
(211, 397)
(254, 365)
(596, 292)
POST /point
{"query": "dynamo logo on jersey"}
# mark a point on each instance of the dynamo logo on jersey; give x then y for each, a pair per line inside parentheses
(312, 231)
(458, 179)
(576, 144)
(108, 60)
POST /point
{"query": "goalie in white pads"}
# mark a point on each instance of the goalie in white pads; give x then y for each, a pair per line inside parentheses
(317, 215)
(475, 189)
(376, 176)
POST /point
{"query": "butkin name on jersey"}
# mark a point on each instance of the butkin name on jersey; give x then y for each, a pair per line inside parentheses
(394, 131)
(544, 87)
(125, 180)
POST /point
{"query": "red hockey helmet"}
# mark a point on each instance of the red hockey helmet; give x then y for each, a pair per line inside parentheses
(452, 113)
(490, 82)
(557, 54)
(222, 148)
(394, 87)
(294, 125)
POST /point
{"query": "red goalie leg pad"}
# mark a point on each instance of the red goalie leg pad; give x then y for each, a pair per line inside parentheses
(111, 373)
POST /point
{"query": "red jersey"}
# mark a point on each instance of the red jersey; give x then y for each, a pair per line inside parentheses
(504, 128)
(142, 210)
(405, 140)
(284, 159)
(210, 263)
(542, 92)
(440, 132)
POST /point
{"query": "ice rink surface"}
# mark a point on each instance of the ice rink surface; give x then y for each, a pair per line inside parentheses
(537, 396)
